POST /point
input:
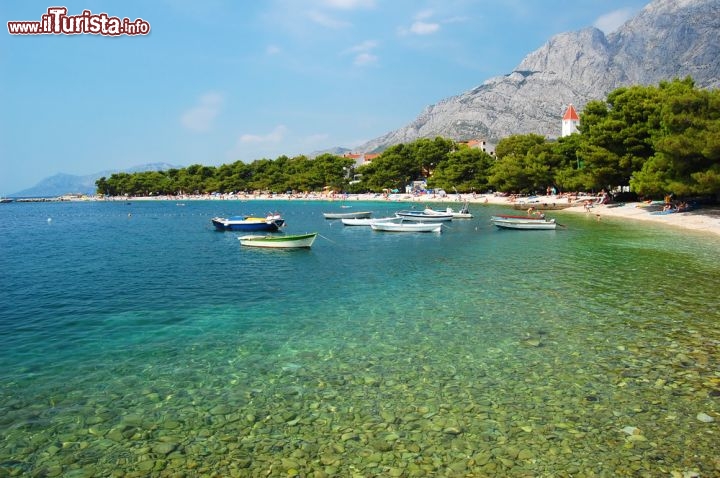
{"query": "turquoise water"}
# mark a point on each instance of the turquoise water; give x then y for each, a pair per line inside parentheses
(138, 341)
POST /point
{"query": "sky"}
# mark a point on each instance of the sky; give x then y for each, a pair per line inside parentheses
(217, 81)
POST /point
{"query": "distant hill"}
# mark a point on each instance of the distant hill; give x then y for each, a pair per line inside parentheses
(61, 183)
(337, 151)
(668, 39)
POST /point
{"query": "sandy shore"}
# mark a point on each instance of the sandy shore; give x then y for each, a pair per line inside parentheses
(705, 219)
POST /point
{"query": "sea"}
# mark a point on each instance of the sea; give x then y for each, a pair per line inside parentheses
(136, 340)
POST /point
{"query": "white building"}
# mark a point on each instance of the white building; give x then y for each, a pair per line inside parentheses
(570, 121)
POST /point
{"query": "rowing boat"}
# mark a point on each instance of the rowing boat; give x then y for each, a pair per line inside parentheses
(284, 241)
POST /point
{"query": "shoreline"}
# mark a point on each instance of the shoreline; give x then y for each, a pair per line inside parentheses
(701, 220)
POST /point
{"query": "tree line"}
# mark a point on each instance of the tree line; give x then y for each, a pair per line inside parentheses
(657, 140)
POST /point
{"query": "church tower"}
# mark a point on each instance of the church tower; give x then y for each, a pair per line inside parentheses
(570, 121)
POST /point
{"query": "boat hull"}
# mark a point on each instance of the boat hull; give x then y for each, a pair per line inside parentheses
(347, 215)
(407, 227)
(519, 218)
(296, 241)
(531, 225)
(419, 216)
(463, 213)
(366, 221)
(247, 224)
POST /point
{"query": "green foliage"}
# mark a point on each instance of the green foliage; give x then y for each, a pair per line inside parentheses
(657, 139)
(283, 174)
(686, 159)
(465, 169)
(393, 169)
(525, 164)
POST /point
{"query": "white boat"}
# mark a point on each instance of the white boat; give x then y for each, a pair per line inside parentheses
(284, 242)
(422, 216)
(511, 218)
(366, 221)
(347, 215)
(524, 224)
(272, 222)
(463, 213)
(407, 226)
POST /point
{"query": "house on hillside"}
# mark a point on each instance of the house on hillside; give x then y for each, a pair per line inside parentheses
(361, 158)
(480, 144)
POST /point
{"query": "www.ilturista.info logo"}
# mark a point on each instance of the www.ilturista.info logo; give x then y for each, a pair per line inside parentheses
(57, 22)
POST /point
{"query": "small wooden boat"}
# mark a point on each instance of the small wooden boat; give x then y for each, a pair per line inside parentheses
(524, 224)
(347, 215)
(422, 216)
(279, 242)
(248, 223)
(407, 226)
(463, 213)
(366, 221)
(509, 217)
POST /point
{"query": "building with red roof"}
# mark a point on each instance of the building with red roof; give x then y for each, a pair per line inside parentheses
(570, 121)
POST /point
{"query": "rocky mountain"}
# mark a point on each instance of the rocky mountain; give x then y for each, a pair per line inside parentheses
(668, 39)
(61, 183)
(337, 151)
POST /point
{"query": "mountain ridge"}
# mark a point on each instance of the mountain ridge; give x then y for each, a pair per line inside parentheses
(62, 183)
(667, 39)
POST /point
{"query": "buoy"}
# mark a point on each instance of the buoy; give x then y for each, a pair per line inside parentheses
(49, 219)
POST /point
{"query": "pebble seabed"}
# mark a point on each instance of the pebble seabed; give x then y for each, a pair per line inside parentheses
(535, 405)
(568, 374)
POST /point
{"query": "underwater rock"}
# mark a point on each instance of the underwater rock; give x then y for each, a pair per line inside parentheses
(705, 418)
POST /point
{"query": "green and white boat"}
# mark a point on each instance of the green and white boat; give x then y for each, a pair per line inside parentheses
(280, 242)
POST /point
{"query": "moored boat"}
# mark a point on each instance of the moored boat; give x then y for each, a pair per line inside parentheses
(462, 213)
(407, 226)
(524, 224)
(509, 217)
(422, 216)
(249, 223)
(351, 221)
(347, 215)
(293, 241)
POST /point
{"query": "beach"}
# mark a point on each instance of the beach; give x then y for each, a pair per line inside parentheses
(703, 219)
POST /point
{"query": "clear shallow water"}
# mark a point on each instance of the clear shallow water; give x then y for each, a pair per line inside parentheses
(137, 341)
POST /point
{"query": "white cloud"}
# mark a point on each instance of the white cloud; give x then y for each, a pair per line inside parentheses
(424, 28)
(365, 46)
(275, 136)
(365, 59)
(422, 25)
(200, 117)
(610, 22)
(423, 14)
(272, 50)
(362, 52)
(349, 4)
(327, 21)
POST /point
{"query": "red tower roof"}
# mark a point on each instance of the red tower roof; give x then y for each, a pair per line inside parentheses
(571, 114)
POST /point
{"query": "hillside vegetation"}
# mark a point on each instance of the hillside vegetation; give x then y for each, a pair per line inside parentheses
(657, 140)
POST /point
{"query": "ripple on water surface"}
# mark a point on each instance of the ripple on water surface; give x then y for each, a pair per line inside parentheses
(149, 344)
